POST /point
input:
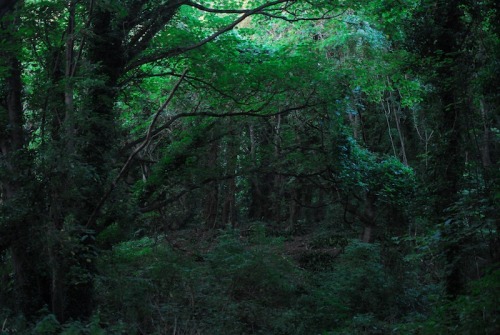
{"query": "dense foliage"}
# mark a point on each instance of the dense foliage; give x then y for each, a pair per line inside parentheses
(249, 167)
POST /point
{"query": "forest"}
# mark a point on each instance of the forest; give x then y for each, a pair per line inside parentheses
(206, 167)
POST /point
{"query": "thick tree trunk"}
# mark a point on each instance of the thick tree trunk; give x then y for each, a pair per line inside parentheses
(19, 232)
(89, 138)
(367, 235)
(449, 158)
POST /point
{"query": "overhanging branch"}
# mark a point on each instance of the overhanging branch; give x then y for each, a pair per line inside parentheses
(189, 79)
(253, 113)
(134, 153)
(180, 50)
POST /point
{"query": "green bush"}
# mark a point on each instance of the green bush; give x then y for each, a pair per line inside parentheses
(475, 313)
(239, 286)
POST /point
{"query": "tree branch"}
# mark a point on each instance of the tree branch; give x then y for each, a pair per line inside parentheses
(180, 50)
(188, 80)
(125, 167)
(189, 188)
(294, 17)
(252, 113)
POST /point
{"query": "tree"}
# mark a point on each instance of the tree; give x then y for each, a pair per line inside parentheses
(445, 38)
(85, 52)
(247, 166)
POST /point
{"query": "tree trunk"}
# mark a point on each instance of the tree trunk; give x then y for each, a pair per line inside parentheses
(262, 204)
(17, 225)
(368, 218)
(229, 206)
(366, 215)
(449, 156)
(211, 202)
(486, 142)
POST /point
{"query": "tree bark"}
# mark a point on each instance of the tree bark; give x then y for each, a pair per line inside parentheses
(229, 207)
(449, 158)
(16, 202)
(211, 203)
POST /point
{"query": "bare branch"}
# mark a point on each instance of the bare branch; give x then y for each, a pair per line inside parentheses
(189, 188)
(125, 167)
(189, 79)
(294, 17)
(180, 50)
(215, 10)
(252, 113)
